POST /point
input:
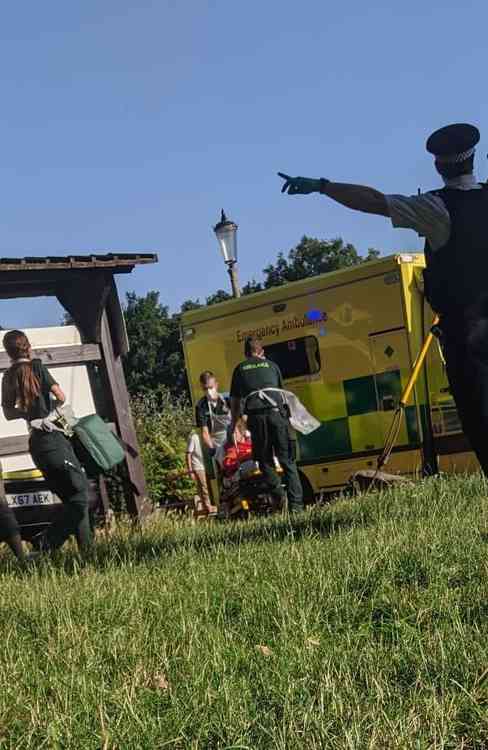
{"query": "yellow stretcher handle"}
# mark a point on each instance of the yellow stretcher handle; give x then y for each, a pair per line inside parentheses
(417, 366)
(394, 430)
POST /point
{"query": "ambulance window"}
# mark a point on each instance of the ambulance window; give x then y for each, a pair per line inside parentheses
(296, 357)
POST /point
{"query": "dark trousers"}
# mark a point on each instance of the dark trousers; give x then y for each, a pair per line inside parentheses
(465, 346)
(270, 435)
(53, 454)
(8, 522)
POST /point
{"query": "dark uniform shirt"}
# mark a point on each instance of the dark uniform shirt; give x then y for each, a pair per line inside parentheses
(41, 406)
(203, 415)
(252, 375)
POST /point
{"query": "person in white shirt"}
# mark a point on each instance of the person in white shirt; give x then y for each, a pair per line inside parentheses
(454, 222)
(196, 470)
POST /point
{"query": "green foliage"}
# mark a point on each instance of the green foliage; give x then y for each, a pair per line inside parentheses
(190, 304)
(219, 296)
(155, 357)
(163, 423)
(312, 257)
(372, 254)
(251, 287)
(359, 626)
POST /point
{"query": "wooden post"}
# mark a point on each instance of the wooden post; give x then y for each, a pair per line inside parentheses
(102, 321)
(86, 311)
(85, 287)
(138, 504)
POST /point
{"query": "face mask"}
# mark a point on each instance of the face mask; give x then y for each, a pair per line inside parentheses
(212, 393)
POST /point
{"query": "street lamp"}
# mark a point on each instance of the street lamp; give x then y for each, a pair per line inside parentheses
(226, 233)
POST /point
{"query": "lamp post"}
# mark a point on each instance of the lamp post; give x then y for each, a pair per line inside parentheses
(226, 233)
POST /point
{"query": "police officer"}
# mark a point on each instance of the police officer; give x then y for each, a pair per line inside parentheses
(267, 421)
(454, 221)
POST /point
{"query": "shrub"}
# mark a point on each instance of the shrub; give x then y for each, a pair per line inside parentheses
(163, 422)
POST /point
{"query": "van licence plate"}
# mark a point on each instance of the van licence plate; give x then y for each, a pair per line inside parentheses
(31, 499)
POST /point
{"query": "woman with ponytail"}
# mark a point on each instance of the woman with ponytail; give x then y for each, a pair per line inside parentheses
(30, 392)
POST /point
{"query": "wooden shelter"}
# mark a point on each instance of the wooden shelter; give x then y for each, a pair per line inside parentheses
(85, 286)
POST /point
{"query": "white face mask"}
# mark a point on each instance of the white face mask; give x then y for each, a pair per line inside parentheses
(212, 393)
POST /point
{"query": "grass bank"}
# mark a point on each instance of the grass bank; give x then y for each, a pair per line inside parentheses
(363, 625)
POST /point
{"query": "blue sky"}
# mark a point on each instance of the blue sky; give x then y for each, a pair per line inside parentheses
(128, 126)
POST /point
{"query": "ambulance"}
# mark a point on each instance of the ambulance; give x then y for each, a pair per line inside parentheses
(345, 342)
(35, 506)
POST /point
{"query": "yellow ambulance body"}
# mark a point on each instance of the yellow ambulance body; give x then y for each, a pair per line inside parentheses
(345, 342)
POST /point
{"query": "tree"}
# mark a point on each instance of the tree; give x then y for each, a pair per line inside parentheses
(155, 357)
(251, 287)
(312, 257)
(372, 255)
(219, 296)
(191, 304)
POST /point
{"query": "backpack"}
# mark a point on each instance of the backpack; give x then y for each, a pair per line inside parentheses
(96, 446)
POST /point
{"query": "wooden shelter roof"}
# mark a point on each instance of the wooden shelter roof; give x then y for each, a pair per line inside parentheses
(115, 262)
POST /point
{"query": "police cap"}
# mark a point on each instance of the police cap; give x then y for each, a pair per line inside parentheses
(453, 143)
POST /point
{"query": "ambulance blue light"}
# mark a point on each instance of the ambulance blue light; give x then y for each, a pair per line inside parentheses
(314, 315)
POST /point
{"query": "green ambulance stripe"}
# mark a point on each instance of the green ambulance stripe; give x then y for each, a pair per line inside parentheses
(361, 392)
(334, 437)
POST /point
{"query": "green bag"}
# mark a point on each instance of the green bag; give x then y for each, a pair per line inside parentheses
(98, 449)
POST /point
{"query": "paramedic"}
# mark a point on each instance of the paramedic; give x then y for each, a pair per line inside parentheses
(454, 221)
(27, 391)
(212, 414)
(267, 421)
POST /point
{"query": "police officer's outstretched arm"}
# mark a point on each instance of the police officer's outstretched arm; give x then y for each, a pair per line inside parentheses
(357, 197)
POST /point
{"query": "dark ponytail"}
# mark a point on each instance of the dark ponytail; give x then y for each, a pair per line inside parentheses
(22, 380)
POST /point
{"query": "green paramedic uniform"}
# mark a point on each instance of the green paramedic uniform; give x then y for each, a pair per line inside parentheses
(54, 456)
(269, 426)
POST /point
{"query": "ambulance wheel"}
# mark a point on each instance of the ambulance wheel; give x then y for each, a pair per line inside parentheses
(308, 493)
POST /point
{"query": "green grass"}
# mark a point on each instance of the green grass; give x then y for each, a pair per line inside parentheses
(363, 625)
